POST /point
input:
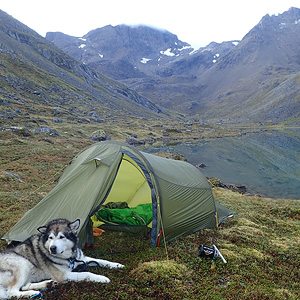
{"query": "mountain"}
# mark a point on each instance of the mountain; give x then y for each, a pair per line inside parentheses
(250, 80)
(257, 80)
(174, 85)
(39, 82)
(122, 51)
(152, 61)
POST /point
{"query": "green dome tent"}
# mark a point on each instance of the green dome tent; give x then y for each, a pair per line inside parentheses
(110, 172)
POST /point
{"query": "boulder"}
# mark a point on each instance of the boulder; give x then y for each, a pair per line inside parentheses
(19, 130)
(134, 141)
(57, 120)
(216, 182)
(201, 165)
(46, 130)
(99, 135)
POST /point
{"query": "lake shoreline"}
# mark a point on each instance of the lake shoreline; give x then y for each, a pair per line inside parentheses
(266, 162)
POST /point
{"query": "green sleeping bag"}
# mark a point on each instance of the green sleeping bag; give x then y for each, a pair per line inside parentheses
(139, 215)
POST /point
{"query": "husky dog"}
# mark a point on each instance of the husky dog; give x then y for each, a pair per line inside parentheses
(45, 259)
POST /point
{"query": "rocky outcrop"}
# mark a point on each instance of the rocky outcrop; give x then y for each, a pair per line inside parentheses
(46, 130)
(99, 135)
(215, 182)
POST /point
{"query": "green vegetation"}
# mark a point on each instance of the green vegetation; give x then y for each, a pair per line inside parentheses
(260, 244)
(42, 86)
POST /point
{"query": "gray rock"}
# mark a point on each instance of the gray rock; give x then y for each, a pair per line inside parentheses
(99, 135)
(57, 120)
(46, 130)
(20, 130)
(133, 141)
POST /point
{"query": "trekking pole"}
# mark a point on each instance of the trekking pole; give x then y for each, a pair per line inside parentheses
(219, 254)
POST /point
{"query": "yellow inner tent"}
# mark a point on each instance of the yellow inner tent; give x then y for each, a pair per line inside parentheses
(130, 186)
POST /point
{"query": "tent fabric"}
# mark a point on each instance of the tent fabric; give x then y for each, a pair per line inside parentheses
(108, 171)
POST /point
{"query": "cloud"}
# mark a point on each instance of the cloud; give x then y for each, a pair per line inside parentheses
(197, 22)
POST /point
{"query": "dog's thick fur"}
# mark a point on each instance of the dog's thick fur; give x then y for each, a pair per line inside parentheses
(44, 259)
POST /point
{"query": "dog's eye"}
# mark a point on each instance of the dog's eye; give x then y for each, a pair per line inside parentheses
(50, 237)
(61, 237)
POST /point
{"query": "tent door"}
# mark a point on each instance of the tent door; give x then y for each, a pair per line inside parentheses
(133, 185)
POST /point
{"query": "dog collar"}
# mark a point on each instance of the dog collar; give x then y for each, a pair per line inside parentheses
(71, 261)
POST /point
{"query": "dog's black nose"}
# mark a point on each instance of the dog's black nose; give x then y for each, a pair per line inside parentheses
(53, 249)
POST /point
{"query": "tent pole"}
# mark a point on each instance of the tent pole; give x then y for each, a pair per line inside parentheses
(162, 231)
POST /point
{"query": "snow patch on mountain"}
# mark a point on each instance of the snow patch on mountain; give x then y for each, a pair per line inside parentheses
(216, 56)
(184, 48)
(167, 52)
(144, 60)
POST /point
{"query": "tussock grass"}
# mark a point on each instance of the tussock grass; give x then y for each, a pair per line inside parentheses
(159, 270)
(261, 243)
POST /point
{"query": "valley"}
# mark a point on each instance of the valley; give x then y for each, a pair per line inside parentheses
(252, 80)
(215, 105)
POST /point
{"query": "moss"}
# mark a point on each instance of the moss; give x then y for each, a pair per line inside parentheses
(260, 244)
(159, 270)
(282, 293)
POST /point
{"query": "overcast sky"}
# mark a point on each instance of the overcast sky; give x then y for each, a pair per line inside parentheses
(197, 22)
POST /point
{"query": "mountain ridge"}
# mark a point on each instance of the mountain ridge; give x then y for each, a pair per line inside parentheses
(126, 51)
(252, 80)
(148, 67)
(262, 62)
(226, 81)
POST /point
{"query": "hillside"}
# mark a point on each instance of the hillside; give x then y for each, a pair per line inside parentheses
(43, 86)
(257, 80)
(260, 244)
(254, 80)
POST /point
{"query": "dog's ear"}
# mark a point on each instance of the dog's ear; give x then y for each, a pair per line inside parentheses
(42, 229)
(75, 225)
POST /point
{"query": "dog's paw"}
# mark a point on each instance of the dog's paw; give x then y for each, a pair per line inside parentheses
(100, 278)
(116, 265)
(52, 284)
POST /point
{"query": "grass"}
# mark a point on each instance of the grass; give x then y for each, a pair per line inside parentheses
(261, 244)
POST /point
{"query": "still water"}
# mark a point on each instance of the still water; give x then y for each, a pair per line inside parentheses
(266, 163)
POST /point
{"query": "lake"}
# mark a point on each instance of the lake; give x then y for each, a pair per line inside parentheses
(267, 163)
